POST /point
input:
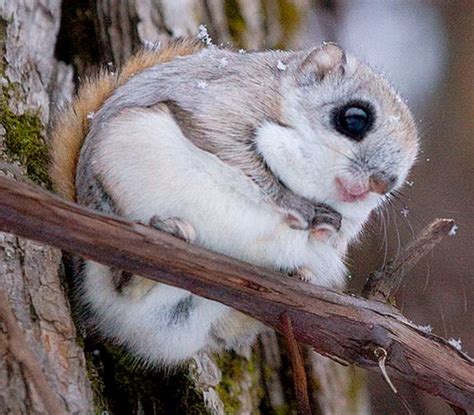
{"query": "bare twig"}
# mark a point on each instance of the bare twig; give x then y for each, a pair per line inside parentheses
(18, 347)
(297, 364)
(334, 324)
(381, 355)
(384, 283)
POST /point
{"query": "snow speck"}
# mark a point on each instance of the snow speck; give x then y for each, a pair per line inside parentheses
(148, 44)
(9, 253)
(456, 343)
(203, 35)
(404, 212)
(394, 119)
(202, 84)
(110, 66)
(223, 63)
(409, 183)
(281, 66)
(90, 115)
(242, 51)
(453, 231)
(425, 328)
(428, 159)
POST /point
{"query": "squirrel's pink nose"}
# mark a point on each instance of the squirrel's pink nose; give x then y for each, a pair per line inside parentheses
(381, 184)
(350, 191)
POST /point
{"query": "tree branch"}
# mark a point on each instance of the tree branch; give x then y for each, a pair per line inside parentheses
(345, 328)
(384, 283)
(297, 363)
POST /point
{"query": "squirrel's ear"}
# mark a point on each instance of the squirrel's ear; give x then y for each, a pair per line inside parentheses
(319, 62)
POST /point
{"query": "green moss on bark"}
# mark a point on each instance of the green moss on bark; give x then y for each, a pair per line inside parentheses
(23, 133)
(24, 140)
(290, 19)
(236, 22)
(234, 370)
(356, 388)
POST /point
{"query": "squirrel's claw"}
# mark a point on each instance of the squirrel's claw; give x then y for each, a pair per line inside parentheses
(295, 220)
(176, 227)
(303, 274)
(302, 214)
(325, 223)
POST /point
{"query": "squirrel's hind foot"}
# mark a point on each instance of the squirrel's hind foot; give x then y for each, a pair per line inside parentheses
(176, 227)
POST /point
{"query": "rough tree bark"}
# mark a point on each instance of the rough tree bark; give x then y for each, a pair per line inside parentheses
(87, 375)
(30, 80)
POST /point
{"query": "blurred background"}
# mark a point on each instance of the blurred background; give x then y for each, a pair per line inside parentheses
(426, 49)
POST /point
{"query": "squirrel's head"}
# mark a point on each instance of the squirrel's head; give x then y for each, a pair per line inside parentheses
(349, 141)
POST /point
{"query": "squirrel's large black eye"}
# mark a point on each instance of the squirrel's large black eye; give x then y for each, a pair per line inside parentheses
(353, 120)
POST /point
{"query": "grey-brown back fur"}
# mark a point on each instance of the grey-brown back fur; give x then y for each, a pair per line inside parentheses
(218, 97)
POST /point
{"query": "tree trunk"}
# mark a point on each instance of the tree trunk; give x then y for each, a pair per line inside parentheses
(30, 274)
(90, 376)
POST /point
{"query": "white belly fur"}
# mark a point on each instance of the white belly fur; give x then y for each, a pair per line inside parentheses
(150, 168)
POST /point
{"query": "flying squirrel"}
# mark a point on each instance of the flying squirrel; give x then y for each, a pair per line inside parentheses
(276, 158)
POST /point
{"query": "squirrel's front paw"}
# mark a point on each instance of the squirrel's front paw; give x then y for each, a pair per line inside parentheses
(176, 227)
(299, 213)
(325, 223)
(304, 274)
(295, 220)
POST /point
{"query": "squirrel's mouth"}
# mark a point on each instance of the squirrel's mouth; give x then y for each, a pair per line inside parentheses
(350, 192)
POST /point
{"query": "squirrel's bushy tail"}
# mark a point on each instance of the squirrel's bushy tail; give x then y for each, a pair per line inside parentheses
(72, 124)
